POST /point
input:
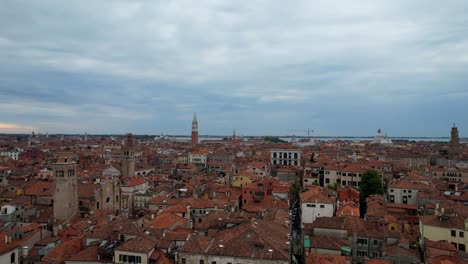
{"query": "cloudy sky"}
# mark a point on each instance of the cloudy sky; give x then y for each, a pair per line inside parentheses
(262, 67)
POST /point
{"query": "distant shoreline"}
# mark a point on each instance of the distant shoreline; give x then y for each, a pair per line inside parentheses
(220, 137)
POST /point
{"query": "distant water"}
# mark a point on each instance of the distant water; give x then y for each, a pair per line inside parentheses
(371, 138)
(289, 139)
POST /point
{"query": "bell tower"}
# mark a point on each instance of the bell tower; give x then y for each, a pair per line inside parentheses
(454, 139)
(128, 162)
(66, 193)
(194, 130)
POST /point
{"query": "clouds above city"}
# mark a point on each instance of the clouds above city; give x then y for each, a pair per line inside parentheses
(262, 67)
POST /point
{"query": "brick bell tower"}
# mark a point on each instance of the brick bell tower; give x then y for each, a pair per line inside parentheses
(65, 182)
(194, 130)
(128, 162)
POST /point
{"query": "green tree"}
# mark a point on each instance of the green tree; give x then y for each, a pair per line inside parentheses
(371, 183)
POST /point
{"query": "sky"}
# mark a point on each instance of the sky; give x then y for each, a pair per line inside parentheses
(268, 67)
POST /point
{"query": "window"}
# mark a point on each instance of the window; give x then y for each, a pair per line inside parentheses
(107, 200)
(60, 173)
(213, 262)
(461, 247)
(322, 206)
(409, 191)
(454, 233)
(201, 261)
(361, 241)
(311, 205)
(391, 190)
(184, 261)
(327, 180)
(97, 205)
(71, 173)
(461, 234)
(404, 191)
(375, 242)
(116, 198)
(13, 258)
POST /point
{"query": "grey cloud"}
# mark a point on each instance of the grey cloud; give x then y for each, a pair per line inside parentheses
(154, 63)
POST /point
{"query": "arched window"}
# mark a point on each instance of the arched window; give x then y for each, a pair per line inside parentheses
(13, 258)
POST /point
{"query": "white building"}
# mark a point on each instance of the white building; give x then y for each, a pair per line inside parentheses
(404, 191)
(199, 159)
(316, 203)
(14, 155)
(381, 138)
(9, 252)
(347, 175)
(285, 157)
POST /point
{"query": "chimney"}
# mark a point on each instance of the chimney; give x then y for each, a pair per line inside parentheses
(152, 216)
(25, 251)
(6, 239)
(188, 212)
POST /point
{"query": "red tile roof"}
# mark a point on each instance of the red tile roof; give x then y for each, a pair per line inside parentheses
(315, 195)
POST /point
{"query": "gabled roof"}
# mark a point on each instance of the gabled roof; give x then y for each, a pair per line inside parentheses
(327, 259)
(64, 250)
(315, 195)
(140, 244)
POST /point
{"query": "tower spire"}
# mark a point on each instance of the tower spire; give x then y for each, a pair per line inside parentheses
(194, 120)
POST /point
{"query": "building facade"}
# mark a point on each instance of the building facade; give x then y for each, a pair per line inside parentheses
(285, 157)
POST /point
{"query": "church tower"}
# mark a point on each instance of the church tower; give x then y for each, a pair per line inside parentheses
(128, 162)
(234, 134)
(66, 193)
(454, 139)
(194, 130)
